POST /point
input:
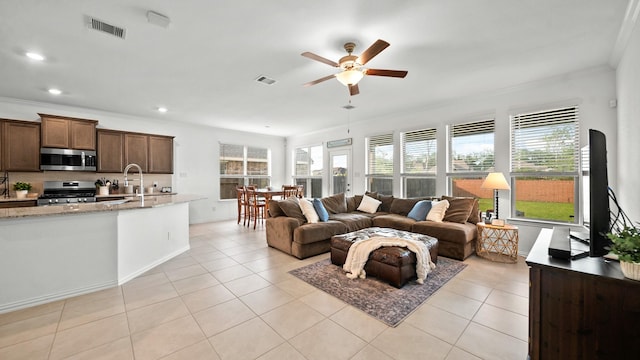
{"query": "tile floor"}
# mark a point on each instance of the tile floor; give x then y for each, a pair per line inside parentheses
(230, 297)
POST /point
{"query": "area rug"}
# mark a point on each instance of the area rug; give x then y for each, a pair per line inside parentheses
(376, 298)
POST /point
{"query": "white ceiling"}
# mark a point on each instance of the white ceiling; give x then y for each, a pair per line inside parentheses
(204, 65)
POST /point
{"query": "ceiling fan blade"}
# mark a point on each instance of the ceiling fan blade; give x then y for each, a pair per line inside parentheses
(390, 73)
(373, 50)
(354, 90)
(319, 80)
(315, 57)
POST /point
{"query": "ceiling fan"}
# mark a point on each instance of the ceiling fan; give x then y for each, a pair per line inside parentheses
(352, 66)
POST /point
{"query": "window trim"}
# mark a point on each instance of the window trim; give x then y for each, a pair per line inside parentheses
(244, 176)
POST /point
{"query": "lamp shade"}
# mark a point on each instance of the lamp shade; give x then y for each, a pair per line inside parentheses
(495, 181)
(349, 77)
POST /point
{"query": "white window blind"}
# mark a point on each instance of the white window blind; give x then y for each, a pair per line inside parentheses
(231, 159)
(380, 154)
(472, 146)
(257, 161)
(419, 150)
(545, 141)
(301, 162)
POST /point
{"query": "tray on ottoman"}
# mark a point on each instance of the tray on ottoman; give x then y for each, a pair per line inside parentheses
(395, 265)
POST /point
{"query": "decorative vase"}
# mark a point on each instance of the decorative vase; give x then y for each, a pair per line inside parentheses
(630, 270)
(21, 194)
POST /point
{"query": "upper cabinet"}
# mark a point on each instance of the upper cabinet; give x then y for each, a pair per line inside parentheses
(19, 145)
(68, 133)
(160, 154)
(136, 150)
(110, 151)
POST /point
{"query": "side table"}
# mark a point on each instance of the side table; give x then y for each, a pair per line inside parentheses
(497, 243)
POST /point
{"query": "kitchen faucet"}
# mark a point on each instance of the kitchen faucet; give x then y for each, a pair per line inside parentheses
(126, 182)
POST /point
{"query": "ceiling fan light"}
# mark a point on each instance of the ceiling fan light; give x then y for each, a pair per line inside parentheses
(349, 77)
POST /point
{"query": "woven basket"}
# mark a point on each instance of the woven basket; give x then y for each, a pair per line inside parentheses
(630, 270)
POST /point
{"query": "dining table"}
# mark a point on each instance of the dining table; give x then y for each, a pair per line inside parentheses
(268, 194)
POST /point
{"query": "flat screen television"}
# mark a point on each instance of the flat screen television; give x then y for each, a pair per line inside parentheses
(599, 214)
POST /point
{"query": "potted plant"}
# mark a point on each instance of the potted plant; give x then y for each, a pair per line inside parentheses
(103, 186)
(626, 244)
(21, 188)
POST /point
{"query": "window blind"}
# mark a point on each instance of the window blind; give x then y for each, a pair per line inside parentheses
(257, 161)
(380, 154)
(472, 146)
(419, 150)
(231, 159)
(546, 141)
(301, 162)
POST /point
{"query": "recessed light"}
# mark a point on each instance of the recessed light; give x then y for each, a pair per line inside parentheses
(163, 109)
(34, 56)
(55, 91)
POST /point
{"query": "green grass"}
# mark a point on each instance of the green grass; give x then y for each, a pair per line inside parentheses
(536, 210)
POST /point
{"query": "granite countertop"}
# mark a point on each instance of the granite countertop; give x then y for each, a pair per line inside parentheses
(115, 205)
(12, 199)
(119, 195)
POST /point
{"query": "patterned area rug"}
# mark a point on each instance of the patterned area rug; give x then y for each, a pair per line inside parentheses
(378, 299)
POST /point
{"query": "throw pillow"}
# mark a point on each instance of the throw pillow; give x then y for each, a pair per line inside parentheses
(459, 210)
(335, 204)
(369, 204)
(474, 216)
(386, 202)
(420, 210)
(438, 208)
(291, 208)
(274, 209)
(309, 211)
(323, 215)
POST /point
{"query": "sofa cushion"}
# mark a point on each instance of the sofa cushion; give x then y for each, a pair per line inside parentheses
(446, 231)
(353, 221)
(291, 208)
(402, 206)
(474, 216)
(420, 210)
(386, 202)
(353, 202)
(322, 231)
(459, 210)
(438, 209)
(369, 204)
(309, 211)
(394, 221)
(323, 215)
(335, 204)
(274, 209)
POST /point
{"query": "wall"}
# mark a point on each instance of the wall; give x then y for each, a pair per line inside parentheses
(591, 89)
(196, 151)
(628, 145)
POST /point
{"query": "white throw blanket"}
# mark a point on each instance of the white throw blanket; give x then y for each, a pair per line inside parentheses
(359, 254)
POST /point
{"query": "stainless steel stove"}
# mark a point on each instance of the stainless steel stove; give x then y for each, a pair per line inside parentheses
(67, 192)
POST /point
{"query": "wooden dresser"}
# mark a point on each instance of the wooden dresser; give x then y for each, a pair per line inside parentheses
(580, 309)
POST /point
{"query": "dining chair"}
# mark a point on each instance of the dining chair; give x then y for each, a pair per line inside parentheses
(289, 191)
(300, 191)
(256, 206)
(242, 205)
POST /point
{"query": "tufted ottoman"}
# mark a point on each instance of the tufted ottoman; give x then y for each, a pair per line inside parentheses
(395, 265)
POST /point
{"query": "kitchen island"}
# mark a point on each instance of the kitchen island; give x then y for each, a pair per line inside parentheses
(53, 252)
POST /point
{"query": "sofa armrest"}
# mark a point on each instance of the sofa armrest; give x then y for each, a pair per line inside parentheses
(280, 232)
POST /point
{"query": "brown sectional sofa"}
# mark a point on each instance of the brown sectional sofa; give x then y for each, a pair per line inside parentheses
(288, 231)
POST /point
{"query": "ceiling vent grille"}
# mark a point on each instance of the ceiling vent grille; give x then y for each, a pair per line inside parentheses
(266, 80)
(104, 27)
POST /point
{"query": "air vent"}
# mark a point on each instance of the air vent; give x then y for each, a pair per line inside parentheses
(104, 27)
(349, 107)
(266, 80)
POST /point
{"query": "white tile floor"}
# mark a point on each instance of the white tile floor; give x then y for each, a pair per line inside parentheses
(230, 297)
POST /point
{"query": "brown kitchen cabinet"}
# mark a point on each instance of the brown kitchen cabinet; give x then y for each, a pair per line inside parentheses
(20, 143)
(136, 150)
(110, 151)
(160, 154)
(68, 133)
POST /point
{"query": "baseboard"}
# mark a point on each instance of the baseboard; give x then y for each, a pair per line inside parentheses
(143, 270)
(54, 297)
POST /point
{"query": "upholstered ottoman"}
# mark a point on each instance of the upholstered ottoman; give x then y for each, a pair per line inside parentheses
(395, 265)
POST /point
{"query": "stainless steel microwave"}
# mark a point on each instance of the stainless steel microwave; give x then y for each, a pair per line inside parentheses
(67, 159)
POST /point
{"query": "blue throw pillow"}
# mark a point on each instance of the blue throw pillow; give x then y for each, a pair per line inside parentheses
(420, 210)
(322, 212)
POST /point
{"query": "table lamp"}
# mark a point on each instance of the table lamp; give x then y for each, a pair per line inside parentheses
(496, 181)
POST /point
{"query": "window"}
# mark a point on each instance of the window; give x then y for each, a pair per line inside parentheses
(471, 158)
(243, 165)
(380, 164)
(418, 163)
(308, 169)
(545, 164)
